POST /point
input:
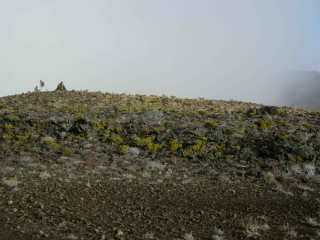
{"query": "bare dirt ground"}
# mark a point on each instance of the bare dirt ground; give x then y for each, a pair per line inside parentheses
(49, 202)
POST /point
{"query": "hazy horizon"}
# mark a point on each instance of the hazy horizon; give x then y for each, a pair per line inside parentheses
(207, 48)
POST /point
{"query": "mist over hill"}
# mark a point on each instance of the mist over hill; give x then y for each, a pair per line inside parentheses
(302, 89)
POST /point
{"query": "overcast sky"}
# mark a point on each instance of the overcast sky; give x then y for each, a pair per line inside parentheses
(219, 49)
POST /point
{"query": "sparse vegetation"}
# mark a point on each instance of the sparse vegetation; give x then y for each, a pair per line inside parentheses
(200, 129)
(175, 146)
(217, 166)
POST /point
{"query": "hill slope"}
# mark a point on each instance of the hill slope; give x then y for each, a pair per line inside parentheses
(68, 158)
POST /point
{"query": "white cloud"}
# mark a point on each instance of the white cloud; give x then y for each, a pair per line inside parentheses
(209, 48)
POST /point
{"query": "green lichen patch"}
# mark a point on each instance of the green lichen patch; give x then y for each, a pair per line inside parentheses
(85, 124)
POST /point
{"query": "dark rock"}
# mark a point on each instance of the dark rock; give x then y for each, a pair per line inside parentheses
(152, 117)
(269, 110)
(81, 125)
(61, 87)
(59, 126)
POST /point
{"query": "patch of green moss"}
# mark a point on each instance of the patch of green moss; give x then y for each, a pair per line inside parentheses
(252, 112)
(14, 135)
(116, 139)
(202, 112)
(307, 125)
(283, 136)
(264, 124)
(23, 138)
(174, 145)
(8, 127)
(100, 125)
(77, 109)
(51, 144)
(67, 152)
(147, 143)
(7, 137)
(11, 118)
(123, 149)
(211, 124)
(229, 131)
(197, 149)
(281, 111)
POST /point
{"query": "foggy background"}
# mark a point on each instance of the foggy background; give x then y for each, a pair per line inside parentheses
(219, 49)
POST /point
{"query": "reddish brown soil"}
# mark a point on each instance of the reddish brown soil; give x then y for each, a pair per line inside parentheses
(208, 208)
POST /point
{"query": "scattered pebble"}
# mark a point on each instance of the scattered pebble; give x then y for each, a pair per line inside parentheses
(26, 160)
(6, 170)
(72, 237)
(218, 234)
(119, 234)
(11, 182)
(155, 165)
(309, 170)
(188, 236)
(312, 221)
(44, 175)
(270, 178)
(169, 173)
(148, 236)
